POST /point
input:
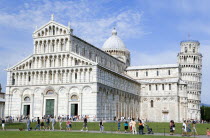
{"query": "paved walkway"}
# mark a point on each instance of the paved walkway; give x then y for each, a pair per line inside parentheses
(114, 132)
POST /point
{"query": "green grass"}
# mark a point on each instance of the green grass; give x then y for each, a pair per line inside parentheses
(42, 134)
(157, 127)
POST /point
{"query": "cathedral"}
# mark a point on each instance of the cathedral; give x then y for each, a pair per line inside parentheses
(66, 75)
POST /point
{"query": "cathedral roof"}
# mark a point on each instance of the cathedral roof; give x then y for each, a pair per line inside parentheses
(114, 42)
(153, 66)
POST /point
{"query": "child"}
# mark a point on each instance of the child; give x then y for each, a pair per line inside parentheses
(126, 126)
(130, 125)
(208, 132)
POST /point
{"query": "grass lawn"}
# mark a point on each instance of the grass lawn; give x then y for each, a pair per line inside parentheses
(42, 134)
(157, 127)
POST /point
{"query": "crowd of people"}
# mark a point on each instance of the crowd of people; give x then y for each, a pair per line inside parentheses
(130, 126)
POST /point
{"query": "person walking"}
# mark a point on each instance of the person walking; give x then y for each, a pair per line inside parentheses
(53, 123)
(133, 126)
(208, 132)
(42, 124)
(68, 125)
(194, 127)
(28, 124)
(101, 125)
(141, 127)
(189, 128)
(126, 126)
(118, 125)
(172, 127)
(48, 123)
(184, 128)
(38, 124)
(130, 125)
(85, 124)
(3, 123)
(60, 123)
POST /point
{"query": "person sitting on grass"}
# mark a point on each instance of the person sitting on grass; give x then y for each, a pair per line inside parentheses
(208, 132)
(126, 126)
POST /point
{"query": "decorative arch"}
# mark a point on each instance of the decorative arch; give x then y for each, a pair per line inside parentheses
(49, 89)
(87, 89)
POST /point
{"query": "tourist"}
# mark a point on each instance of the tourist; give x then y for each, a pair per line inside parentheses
(42, 124)
(184, 128)
(38, 124)
(189, 128)
(3, 123)
(48, 123)
(141, 127)
(118, 125)
(85, 124)
(53, 123)
(172, 127)
(194, 127)
(68, 124)
(208, 132)
(133, 126)
(60, 123)
(126, 126)
(101, 124)
(28, 124)
(130, 125)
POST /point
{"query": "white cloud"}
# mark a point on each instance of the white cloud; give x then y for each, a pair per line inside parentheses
(87, 23)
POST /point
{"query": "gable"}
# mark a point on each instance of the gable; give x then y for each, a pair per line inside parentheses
(50, 29)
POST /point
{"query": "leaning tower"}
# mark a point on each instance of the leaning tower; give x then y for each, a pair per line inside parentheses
(190, 60)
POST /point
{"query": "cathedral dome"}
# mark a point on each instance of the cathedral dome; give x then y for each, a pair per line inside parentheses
(114, 42)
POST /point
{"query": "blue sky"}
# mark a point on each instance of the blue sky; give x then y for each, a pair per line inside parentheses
(151, 29)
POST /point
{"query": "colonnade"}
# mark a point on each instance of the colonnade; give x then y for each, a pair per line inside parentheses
(53, 76)
(51, 45)
(117, 104)
(47, 61)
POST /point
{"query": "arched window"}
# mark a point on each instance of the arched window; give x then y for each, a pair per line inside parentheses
(156, 86)
(152, 103)
(50, 92)
(74, 98)
(157, 73)
(169, 72)
(163, 87)
(26, 99)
